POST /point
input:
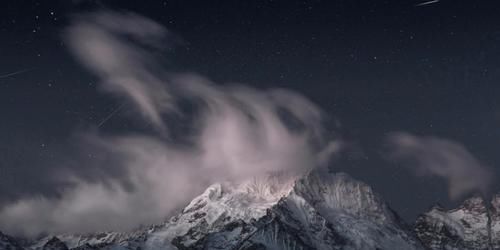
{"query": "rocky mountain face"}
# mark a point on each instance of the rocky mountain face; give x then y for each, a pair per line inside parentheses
(9, 243)
(54, 244)
(319, 210)
(473, 225)
(495, 222)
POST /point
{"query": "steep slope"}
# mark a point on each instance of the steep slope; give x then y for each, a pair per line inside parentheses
(220, 208)
(334, 211)
(495, 221)
(466, 227)
(55, 244)
(319, 210)
(9, 243)
(96, 240)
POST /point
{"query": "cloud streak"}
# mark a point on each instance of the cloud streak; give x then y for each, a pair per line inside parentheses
(432, 156)
(119, 48)
(238, 132)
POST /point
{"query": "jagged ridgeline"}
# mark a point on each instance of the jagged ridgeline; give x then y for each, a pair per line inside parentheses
(320, 210)
(473, 225)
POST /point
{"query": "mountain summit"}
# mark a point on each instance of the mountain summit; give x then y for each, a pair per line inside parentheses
(473, 225)
(318, 210)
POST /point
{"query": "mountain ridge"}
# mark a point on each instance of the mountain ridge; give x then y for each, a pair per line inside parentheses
(317, 210)
(475, 224)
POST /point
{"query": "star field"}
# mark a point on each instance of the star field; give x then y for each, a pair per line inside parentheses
(373, 66)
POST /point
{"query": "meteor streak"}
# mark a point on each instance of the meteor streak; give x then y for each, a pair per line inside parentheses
(427, 3)
(110, 115)
(15, 73)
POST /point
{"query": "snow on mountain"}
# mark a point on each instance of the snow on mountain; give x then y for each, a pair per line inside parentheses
(220, 207)
(54, 244)
(495, 221)
(320, 210)
(96, 240)
(9, 243)
(355, 212)
(466, 227)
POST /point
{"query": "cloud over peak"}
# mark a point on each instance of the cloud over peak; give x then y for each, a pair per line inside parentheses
(239, 132)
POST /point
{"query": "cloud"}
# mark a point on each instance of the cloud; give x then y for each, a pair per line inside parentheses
(119, 48)
(432, 156)
(237, 132)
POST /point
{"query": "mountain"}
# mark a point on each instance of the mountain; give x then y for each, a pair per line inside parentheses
(54, 244)
(319, 210)
(495, 222)
(9, 243)
(473, 225)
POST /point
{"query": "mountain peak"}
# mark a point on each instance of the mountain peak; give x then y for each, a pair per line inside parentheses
(318, 210)
(282, 210)
(341, 192)
(7, 242)
(495, 202)
(465, 227)
(475, 203)
(55, 244)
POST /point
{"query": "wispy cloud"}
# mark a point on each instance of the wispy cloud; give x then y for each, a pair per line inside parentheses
(238, 132)
(120, 49)
(433, 156)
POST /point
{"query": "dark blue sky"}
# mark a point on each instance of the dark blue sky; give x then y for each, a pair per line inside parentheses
(373, 66)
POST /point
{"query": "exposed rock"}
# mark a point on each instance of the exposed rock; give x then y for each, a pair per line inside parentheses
(466, 227)
(55, 244)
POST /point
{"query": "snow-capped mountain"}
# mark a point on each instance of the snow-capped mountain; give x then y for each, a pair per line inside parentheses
(54, 244)
(495, 221)
(9, 243)
(473, 225)
(319, 210)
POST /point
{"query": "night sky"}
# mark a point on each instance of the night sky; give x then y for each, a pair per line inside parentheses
(374, 67)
